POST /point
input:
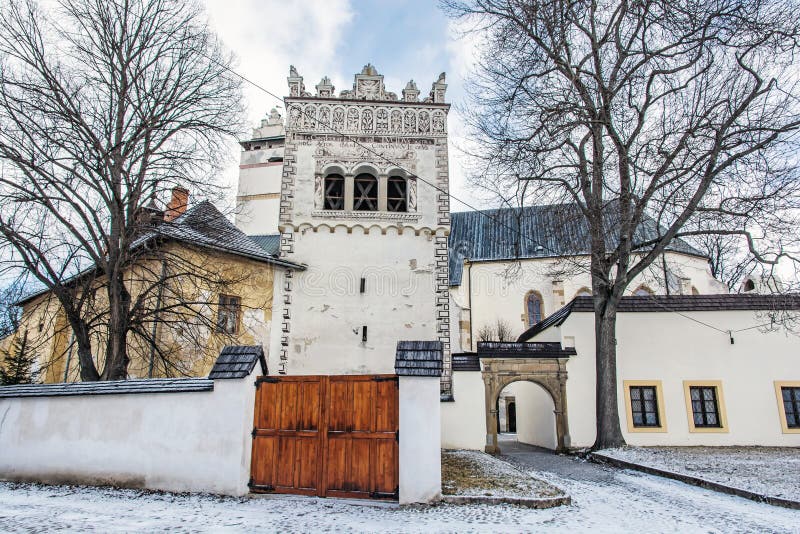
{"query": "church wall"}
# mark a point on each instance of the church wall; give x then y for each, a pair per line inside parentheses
(499, 290)
(669, 348)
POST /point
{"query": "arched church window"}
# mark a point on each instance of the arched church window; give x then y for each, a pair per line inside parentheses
(643, 291)
(397, 194)
(365, 193)
(534, 307)
(334, 192)
(749, 285)
(584, 292)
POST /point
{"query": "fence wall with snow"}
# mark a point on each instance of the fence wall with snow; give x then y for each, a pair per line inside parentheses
(188, 434)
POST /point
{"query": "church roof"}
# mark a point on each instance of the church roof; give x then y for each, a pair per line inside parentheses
(542, 231)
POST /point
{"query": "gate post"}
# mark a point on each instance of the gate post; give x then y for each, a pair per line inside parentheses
(418, 365)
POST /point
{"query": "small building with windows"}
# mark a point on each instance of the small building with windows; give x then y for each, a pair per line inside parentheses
(711, 370)
(198, 283)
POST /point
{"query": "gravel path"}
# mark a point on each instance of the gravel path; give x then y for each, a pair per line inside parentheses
(771, 471)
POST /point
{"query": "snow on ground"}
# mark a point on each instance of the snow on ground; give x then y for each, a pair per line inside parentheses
(477, 473)
(604, 500)
(769, 471)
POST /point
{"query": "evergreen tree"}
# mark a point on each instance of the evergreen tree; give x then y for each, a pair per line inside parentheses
(16, 366)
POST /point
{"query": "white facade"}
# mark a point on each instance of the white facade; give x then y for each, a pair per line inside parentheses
(420, 443)
(260, 170)
(375, 276)
(670, 351)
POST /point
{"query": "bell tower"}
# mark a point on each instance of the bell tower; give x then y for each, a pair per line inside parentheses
(364, 203)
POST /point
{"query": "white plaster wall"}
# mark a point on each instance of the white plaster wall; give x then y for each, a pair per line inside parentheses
(420, 444)
(328, 310)
(498, 292)
(464, 419)
(536, 423)
(671, 348)
(168, 441)
(259, 215)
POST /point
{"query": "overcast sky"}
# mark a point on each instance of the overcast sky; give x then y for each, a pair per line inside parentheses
(403, 39)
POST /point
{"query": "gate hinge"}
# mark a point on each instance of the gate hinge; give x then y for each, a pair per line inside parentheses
(397, 436)
(253, 433)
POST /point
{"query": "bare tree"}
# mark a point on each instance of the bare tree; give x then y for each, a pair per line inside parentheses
(486, 333)
(104, 104)
(503, 330)
(678, 112)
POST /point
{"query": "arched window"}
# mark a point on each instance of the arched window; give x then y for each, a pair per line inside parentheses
(749, 285)
(334, 192)
(365, 193)
(643, 291)
(534, 307)
(584, 292)
(396, 194)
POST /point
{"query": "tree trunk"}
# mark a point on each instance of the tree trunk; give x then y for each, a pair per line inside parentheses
(609, 433)
(116, 367)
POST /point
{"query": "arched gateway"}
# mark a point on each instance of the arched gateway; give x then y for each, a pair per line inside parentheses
(544, 364)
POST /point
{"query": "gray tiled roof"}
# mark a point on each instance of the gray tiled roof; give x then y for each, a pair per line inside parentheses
(530, 232)
(205, 226)
(238, 361)
(269, 242)
(418, 358)
(111, 387)
(466, 361)
(672, 303)
(510, 349)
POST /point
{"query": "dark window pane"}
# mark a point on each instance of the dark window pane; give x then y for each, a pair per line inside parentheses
(396, 199)
(644, 407)
(649, 393)
(635, 393)
(365, 193)
(695, 392)
(334, 192)
(651, 419)
(704, 406)
(637, 419)
(791, 406)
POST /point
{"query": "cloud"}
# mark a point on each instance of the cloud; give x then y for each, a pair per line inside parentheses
(269, 35)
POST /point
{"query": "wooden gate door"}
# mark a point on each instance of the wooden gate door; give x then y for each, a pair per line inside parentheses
(326, 435)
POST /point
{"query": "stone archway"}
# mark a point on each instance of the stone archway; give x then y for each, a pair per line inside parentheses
(549, 373)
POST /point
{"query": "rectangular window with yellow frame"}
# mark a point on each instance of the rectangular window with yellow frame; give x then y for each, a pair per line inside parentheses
(788, 395)
(644, 406)
(705, 406)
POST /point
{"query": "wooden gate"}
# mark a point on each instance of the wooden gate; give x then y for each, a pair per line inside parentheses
(331, 436)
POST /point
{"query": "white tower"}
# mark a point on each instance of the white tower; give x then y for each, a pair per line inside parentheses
(258, 196)
(356, 209)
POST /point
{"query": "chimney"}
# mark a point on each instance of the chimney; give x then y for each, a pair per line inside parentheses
(177, 205)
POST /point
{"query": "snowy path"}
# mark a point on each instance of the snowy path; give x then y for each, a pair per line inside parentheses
(604, 500)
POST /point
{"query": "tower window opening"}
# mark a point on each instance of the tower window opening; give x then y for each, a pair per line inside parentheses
(334, 192)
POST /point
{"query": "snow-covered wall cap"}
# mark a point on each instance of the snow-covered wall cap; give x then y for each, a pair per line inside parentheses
(418, 358)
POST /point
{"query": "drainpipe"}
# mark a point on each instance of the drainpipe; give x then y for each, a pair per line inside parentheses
(469, 303)
(155, 318)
